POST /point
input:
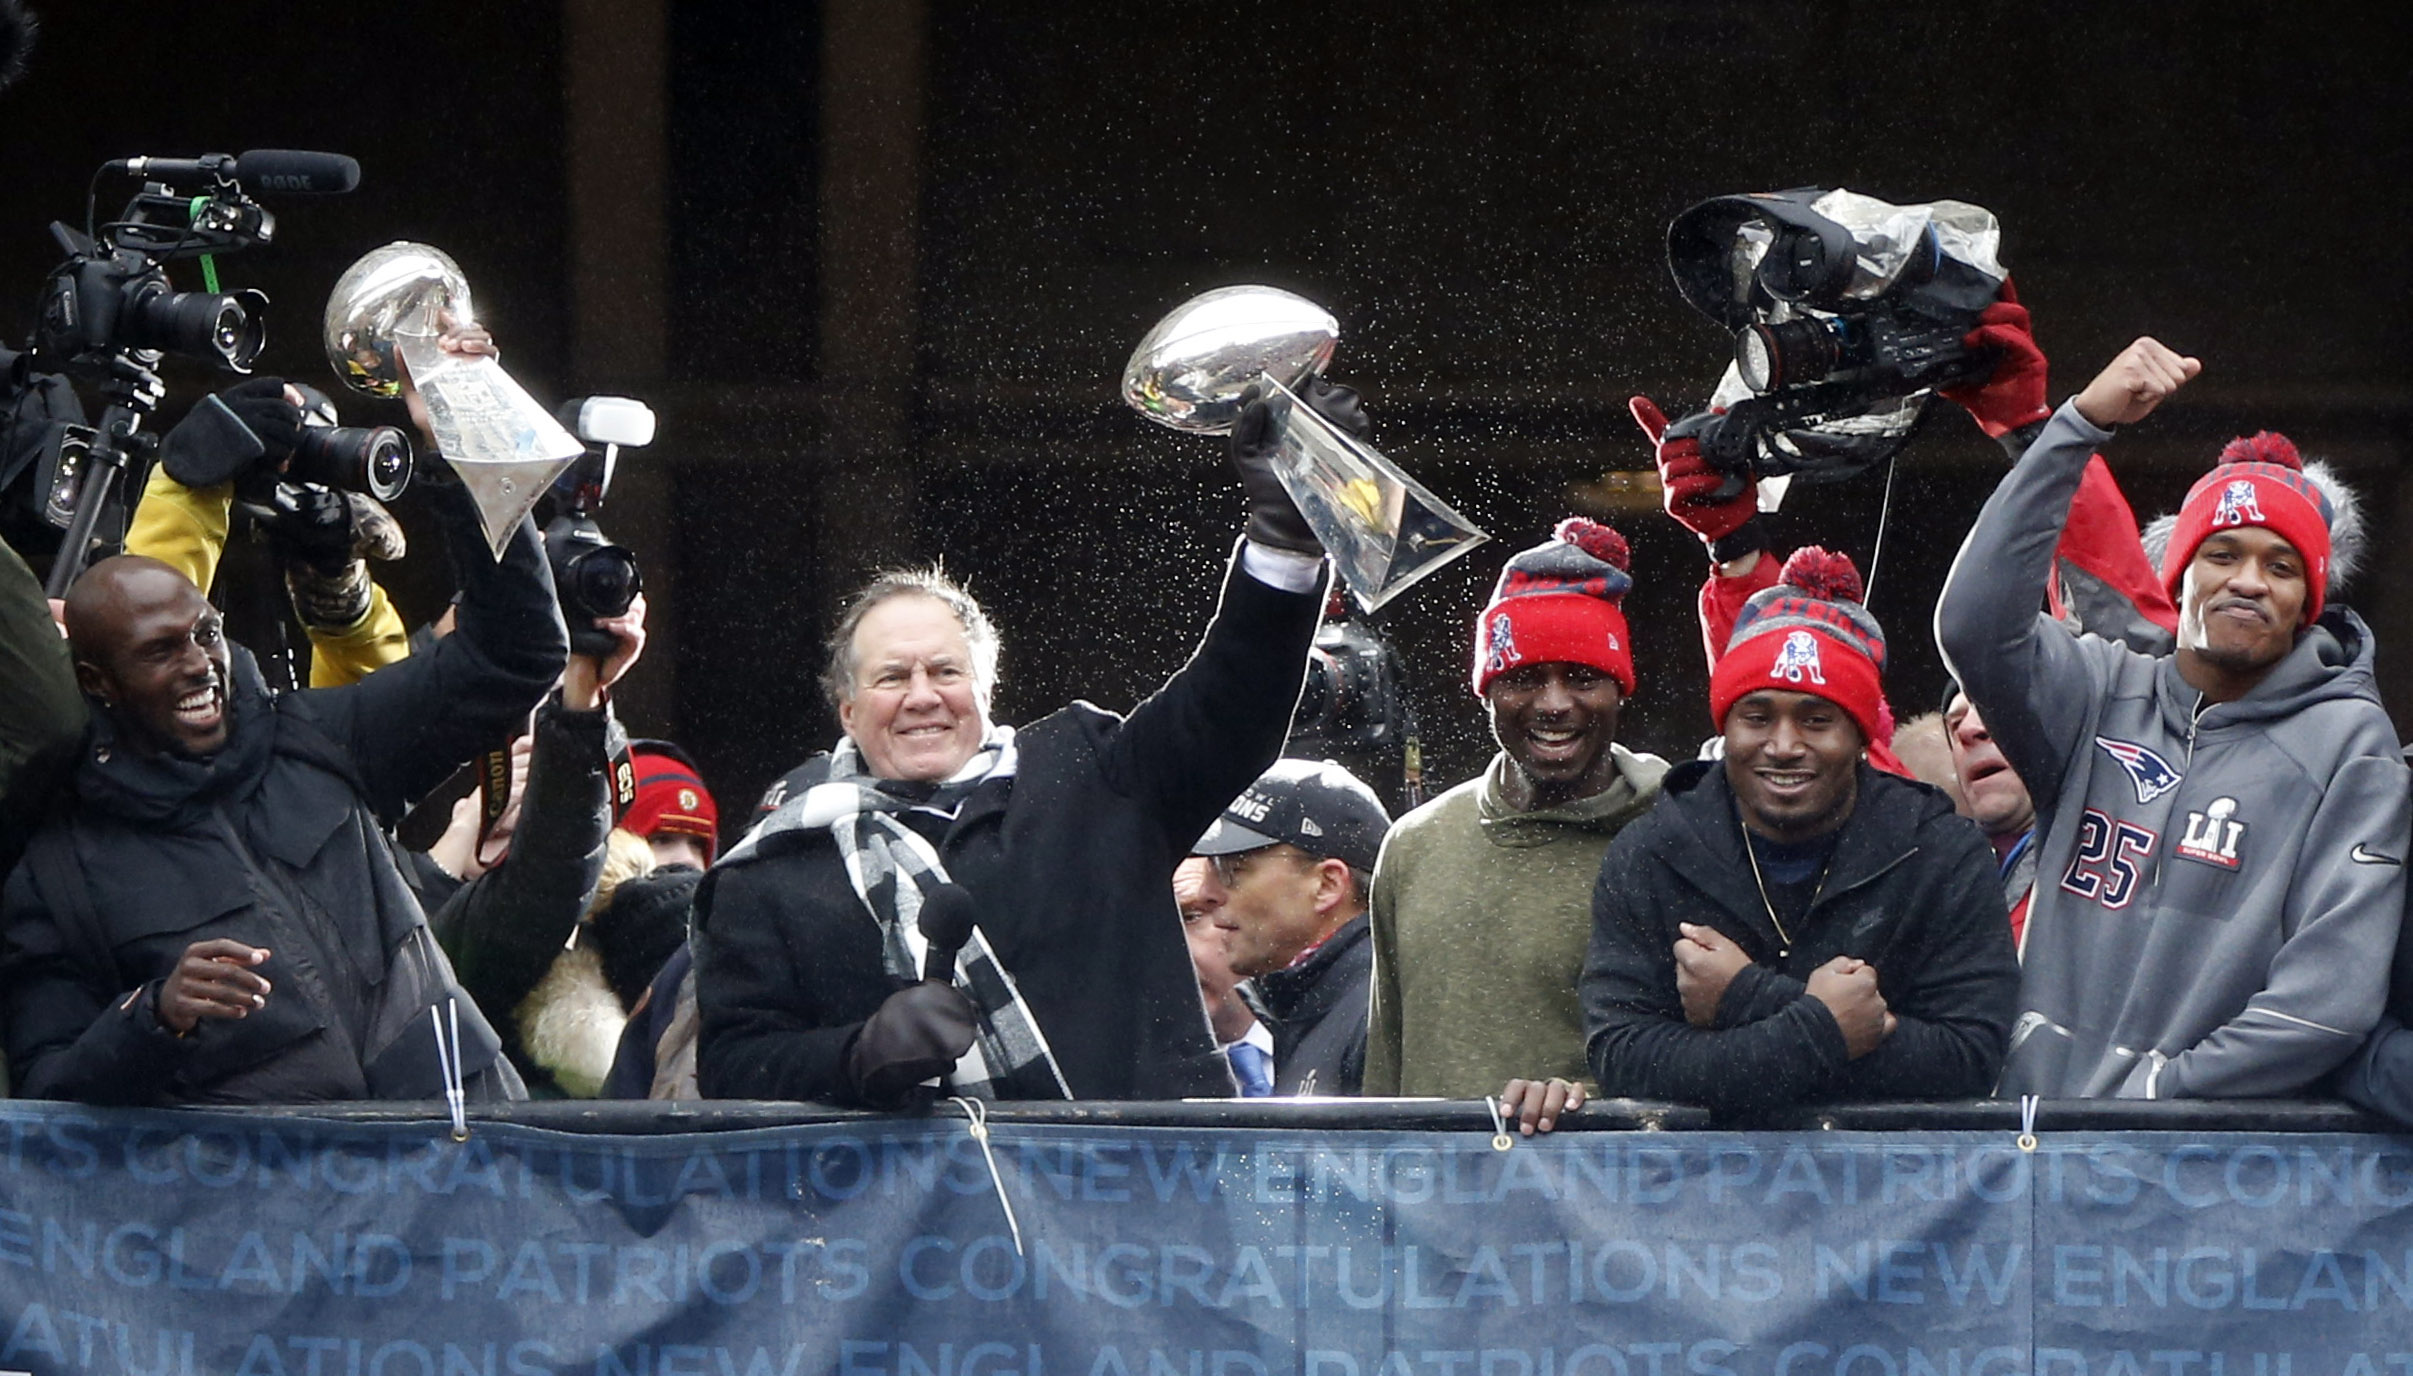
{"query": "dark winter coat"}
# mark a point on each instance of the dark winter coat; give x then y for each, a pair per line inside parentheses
(277, 841)
(1911, 889)
(1316, 1011)
(505, 928)
(1070, 863)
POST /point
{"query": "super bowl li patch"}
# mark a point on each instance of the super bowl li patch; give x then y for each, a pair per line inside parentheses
(2213, 835)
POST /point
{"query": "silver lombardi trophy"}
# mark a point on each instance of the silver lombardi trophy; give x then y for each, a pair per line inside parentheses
(1383, 529)
(387, 313)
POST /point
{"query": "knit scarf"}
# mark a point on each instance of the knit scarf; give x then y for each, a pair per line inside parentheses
(891, 867)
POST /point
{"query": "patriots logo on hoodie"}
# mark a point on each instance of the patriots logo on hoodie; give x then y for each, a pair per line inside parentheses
(2148, 773)
(2240, 505)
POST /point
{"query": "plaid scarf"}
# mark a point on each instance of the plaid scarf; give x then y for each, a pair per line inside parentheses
(891, 866)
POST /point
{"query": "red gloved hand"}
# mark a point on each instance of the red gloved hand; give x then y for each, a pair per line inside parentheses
(2013, 394)
(1691, 488)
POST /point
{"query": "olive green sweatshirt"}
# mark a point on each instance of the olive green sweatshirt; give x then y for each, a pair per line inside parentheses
(1481, 916)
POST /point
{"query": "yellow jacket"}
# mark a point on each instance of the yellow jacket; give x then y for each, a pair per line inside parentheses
(185, 528)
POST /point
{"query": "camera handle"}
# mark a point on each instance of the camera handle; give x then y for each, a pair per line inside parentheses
(134, 392)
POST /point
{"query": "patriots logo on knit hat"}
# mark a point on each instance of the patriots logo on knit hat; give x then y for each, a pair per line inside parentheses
(1797, 659)
(1503, 656)
(2238, 506)
(1559, 602)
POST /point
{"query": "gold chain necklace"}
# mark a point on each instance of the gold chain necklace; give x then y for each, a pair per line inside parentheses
(1751, 853)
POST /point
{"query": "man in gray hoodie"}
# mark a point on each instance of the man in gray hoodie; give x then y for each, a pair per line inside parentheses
(2222, 870)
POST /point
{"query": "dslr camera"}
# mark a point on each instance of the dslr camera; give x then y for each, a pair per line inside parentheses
(591, 575)
(1846, 312)
(108, 313)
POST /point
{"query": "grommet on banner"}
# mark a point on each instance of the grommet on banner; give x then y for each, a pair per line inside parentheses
(2028, 1104)
(1500, 1140)
(978, 1113)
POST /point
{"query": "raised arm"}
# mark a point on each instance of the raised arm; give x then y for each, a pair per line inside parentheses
(1218, 722)
(413, 722)
(2024, 672)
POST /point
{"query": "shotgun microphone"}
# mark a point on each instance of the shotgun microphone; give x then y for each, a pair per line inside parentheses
(287, 171)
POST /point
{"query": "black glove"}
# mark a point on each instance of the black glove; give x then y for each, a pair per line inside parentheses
(921, 1031)
(1273, 520)
(309, 524)
(225, 436)
(324, 537)
(642, 926)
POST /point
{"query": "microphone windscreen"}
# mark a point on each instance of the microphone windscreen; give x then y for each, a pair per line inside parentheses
(946, 919)
(293, 172)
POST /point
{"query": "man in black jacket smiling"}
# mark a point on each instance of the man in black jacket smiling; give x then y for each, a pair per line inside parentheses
(1789, 924)
(214, 914)
(217, 917)
(1076, 982)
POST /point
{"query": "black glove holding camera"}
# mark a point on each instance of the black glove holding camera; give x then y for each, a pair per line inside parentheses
(920, 1031)
(325, 537)
(1273, 519)
(251, 424)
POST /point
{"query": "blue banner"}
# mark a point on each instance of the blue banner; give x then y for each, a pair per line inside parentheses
(197, 1243)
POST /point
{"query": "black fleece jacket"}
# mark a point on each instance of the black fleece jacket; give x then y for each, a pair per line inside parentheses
(1911, 890)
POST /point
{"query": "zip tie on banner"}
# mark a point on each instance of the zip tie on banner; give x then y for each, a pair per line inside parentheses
(1500, 1138)
(448, 1063)
(2028, 1104)
(978, 1113)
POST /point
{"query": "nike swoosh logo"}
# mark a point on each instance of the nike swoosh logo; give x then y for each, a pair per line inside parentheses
(2362, 856)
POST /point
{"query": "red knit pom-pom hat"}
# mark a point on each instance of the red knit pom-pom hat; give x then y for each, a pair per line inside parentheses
(2259, 482)
(671, 797)
(1808, 634)
(1559, 603)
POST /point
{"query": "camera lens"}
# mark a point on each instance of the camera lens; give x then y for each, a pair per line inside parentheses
(206, 324)
(602, 581)
(371, 459)
(1773, 356)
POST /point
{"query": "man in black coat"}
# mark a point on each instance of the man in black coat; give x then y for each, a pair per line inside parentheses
(1292, 859)
(1789, 925)
(1076, 981)
(216, 915)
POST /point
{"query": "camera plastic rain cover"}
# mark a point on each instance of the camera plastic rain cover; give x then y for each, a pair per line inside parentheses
(1886, 238)
(1894, 247)
(1382, 528)
(505, 447)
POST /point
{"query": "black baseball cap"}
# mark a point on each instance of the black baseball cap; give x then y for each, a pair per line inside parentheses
(1315, 805)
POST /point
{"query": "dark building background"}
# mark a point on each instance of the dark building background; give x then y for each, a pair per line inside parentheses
(878, 264)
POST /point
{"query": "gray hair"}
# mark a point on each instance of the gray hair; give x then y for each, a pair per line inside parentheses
(931, 581)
